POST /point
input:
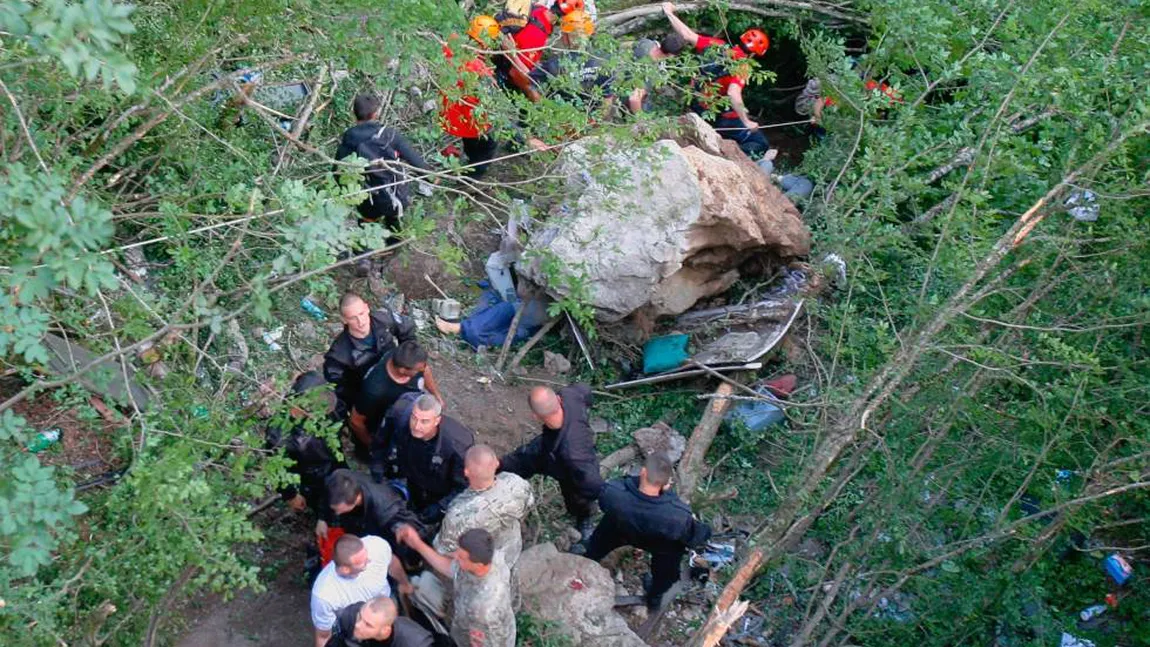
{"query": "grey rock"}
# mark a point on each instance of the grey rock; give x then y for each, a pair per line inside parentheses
(575, 593)
(555, 363)
(660, 438)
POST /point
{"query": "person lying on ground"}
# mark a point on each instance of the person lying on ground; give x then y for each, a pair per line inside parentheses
(643, 513)
(365, 337)
(565, 450)
(481, 583)
(376, 623)
(397, 372)
(427, 451)
(489, 322)
(726, 78)
(312, 459)
(358, 572)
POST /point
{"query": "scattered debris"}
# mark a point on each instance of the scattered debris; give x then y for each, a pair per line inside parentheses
(112, 379)
(1091, 612)
(756, 415)
(555, 363)
(314, 311)
(447, 309)
(1072, 641)
(1083, 205)
(44, 440)
(1118, 568)
(678, 375)
(714, 555)
(836, 262)
(665, 353)
(660, 438)
(272, 337)
(750, 345)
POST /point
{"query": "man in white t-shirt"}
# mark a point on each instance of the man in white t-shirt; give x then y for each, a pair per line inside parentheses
(357, 573)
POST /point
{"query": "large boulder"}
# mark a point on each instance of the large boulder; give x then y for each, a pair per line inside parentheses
(658, 227)
(575, 593)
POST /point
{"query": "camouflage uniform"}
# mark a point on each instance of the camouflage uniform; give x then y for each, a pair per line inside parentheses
(483, 615)
(498, 510)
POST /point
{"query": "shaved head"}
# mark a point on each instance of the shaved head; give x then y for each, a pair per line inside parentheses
(480, 465)
(543, 401)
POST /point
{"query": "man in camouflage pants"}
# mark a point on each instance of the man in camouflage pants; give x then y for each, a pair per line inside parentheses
(483, 615)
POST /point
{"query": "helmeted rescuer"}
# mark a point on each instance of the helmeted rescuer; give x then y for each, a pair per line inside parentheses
(367, 334)
(726, 78)
(565, 450)
(642, 512)
(458, 116)
(525, 40)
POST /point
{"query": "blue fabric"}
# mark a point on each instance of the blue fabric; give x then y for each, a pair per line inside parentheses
(754, 143)
(488, 323)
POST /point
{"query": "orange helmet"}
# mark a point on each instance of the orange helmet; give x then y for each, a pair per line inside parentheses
(567, 6)
(755, 41)
(483, 28)
(577, 22)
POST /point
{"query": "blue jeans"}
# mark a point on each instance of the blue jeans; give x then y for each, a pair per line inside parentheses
(753, 142)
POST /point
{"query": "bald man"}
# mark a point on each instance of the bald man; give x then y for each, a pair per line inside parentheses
(376, 623)
(494, 502)
(565, 450)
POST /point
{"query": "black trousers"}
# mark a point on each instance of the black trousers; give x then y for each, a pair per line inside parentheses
(665, 566)
(479, 151)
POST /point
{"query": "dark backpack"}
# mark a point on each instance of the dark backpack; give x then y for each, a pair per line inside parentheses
(388, 195)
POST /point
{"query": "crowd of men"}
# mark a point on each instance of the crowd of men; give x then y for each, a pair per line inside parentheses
(525, 49)
(423, 535)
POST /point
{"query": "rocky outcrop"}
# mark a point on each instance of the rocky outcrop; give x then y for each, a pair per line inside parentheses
(575, 593)
(659, 227)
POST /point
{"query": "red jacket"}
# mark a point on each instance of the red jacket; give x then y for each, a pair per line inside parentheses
(717, 88)
(457, 116)
(532, 38)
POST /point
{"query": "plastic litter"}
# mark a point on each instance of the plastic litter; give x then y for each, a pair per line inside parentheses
(312, 309)
(714, 555)
(1118, 568)
(1072, 641)
(664, 353)
(271, 337)
(1091, 612)
(1064, 476)
(44, 440)
(756, 415)
(1083, 206)
(447, 309)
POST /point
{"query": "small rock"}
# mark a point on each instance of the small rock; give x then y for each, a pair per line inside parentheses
(307, 330)
(555, 364)
(599, 426)
(660, 438)
(572, 534)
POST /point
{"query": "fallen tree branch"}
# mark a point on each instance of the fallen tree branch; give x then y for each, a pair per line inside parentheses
(710, 633)
(633, 17)
(694, 456)
(530, 343)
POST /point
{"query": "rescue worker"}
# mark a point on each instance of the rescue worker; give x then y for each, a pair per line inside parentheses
(457, 116)
(365, 337)
(387, 184)
(643, 513)
(358, 572)
(363, 507)
(525, 45)
(495, 502)
(576, 74)
(376, 623)
(730, 77)
(481, 583)
(427, 450)
(312, 459)
(398, 372)
(659, 51)
(565, 450)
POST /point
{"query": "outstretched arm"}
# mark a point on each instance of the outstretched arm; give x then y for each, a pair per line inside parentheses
(735, 93)
(440, 563)
(679, 26)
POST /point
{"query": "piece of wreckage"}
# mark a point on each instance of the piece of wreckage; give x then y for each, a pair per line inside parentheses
(651, 231)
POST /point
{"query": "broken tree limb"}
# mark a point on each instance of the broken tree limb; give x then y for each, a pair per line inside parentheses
(632, 18)
(618, 458)
(508, 338)
(963, 158)
(710, 633)
(531, 343)
(678, 375)
(694, 457)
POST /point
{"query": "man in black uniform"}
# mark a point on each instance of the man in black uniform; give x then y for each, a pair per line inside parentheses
(428, 450)
(376, 623)
(565, 450)
(362, 507)
(644, 513)
(313, 459)
(365, 338)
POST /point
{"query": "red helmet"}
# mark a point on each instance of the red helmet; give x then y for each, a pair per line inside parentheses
(755, 41)
(567, 6)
